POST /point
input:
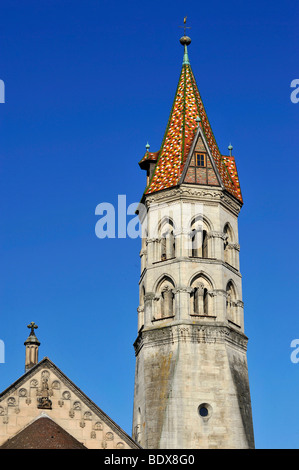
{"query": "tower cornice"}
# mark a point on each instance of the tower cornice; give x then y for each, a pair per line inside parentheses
(189, 331)
(193, 193)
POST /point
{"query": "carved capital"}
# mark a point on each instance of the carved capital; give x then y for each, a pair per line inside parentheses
(233, 246)
(149, 296)
(187, 290)
(214, 234)
(212, 293)
(153, 240)
(200, 288)
(220, 292)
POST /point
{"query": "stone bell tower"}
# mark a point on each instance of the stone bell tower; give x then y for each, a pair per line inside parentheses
(191, 377)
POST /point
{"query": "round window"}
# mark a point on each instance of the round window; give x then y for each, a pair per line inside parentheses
(205, 411)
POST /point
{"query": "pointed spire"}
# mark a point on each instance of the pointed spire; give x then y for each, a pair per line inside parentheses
(183, 122)
(32, 345)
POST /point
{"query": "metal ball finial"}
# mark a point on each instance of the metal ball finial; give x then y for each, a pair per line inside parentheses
(185, 40)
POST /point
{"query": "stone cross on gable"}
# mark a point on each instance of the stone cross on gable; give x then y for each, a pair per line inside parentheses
(33, 326)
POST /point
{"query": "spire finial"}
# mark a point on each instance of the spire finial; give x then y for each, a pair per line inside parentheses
(33, 327)
(230, 147)
(185, 41)
(147, 147)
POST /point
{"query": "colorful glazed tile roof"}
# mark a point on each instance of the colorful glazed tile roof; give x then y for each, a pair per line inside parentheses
(232, 169)
(179, 135)
(149, 156)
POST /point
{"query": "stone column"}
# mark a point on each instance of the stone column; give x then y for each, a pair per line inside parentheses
(220, 304)
(142, 255)
(148, 308)
(140, 311)
(182, 243)
(151, 250)
(216, 244)
(240, 313)
(182, 302)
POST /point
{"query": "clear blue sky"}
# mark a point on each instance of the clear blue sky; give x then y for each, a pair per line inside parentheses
(87, 85)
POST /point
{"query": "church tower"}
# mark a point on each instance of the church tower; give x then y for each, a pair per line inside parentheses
(191, 377)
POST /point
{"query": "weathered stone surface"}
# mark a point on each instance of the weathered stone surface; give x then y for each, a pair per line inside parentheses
(191, 379)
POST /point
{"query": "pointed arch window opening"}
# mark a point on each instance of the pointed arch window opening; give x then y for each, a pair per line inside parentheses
(166, 302)
(199, 243)
(232, 305)
(167, 241)
(228, 252)
(164, 297)
(201, 301)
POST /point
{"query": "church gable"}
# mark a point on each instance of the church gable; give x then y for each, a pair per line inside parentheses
(44, 389)
(199, 168)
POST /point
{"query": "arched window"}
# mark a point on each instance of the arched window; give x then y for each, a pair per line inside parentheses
(228, 240)
(231, 309)
(201, 296)
(167, 240)
(166, 302)
(200, 300)
(199, 239)
(165, 299)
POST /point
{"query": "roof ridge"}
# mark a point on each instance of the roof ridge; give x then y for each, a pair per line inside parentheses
(184, 113)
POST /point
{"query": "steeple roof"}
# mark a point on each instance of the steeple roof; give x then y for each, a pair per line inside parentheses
(186, 114)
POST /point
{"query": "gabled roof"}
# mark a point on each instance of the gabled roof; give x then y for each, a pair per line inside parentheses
(43, 433)
(178, 138)
(148, 157)
(232, 168)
